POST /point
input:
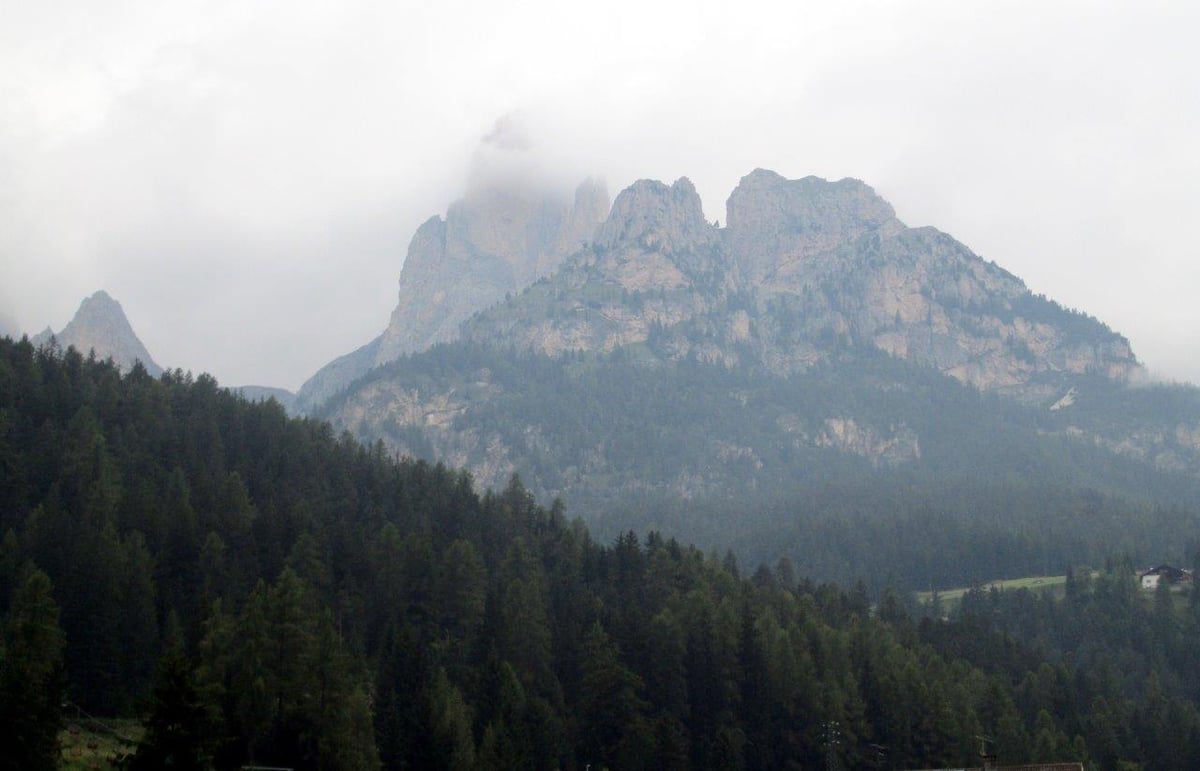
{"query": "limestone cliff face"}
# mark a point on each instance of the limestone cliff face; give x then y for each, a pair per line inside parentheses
(776, 227)
(805, 270)
(100, 325)
(650, 265)
(492, 243)
(384, 409)
(844, 270)
(657, 219)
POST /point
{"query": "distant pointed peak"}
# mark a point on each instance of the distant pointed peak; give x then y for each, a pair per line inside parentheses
(101, 304)
(100, 325)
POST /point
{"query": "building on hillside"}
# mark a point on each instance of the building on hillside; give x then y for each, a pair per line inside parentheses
(1177, 578)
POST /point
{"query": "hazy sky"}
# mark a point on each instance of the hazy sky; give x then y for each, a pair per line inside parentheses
(244, 177)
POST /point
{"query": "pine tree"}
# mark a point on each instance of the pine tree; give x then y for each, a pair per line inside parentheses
(610, 710)
(32, 682)
(182, 724)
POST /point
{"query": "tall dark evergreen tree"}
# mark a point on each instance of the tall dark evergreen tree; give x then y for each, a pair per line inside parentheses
(32, 681)
(182, 724)
(612, 731)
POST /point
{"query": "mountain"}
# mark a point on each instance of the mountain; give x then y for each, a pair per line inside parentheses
(804, 270)
(494, 242)
(100, 325)
(814, 357)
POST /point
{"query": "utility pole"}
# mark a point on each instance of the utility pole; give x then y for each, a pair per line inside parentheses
(988, 759)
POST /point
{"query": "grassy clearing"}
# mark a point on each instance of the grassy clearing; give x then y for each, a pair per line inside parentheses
(94, 745)
(1033, 583)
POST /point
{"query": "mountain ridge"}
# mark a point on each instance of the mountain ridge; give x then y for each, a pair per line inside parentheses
(802, 268)
(493, 242)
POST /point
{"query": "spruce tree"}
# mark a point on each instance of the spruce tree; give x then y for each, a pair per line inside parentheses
(182, 724)
(32, 682)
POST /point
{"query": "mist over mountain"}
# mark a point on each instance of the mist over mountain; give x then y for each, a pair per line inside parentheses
(100, 325)
(492, 243)
(8, 326)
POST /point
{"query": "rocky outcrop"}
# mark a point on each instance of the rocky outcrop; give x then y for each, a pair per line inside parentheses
(657, 219)
(775, 226)
(890, 447)
(841, 270)
(384, 409)
(652, 265)
(493, 243)
(804, 271)
(100, 326)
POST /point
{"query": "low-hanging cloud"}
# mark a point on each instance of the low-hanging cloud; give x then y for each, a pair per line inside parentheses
(244, 178)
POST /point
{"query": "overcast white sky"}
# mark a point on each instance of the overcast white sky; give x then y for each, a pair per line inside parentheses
(244, 177)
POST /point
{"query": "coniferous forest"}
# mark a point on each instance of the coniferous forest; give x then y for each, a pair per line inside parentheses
(257, 590)
(995, 488)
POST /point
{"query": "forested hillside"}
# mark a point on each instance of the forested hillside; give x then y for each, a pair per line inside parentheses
(307, 601)
(869, 467)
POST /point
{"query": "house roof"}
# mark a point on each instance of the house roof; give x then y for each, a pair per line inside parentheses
(1170, 572)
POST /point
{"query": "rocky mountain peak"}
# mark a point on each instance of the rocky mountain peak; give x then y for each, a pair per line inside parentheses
(100, 307)
(657, 218)
(517, 230)
(773, 221)
(495, 241)
(502, 236)
(100, 325)
(589, 210)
